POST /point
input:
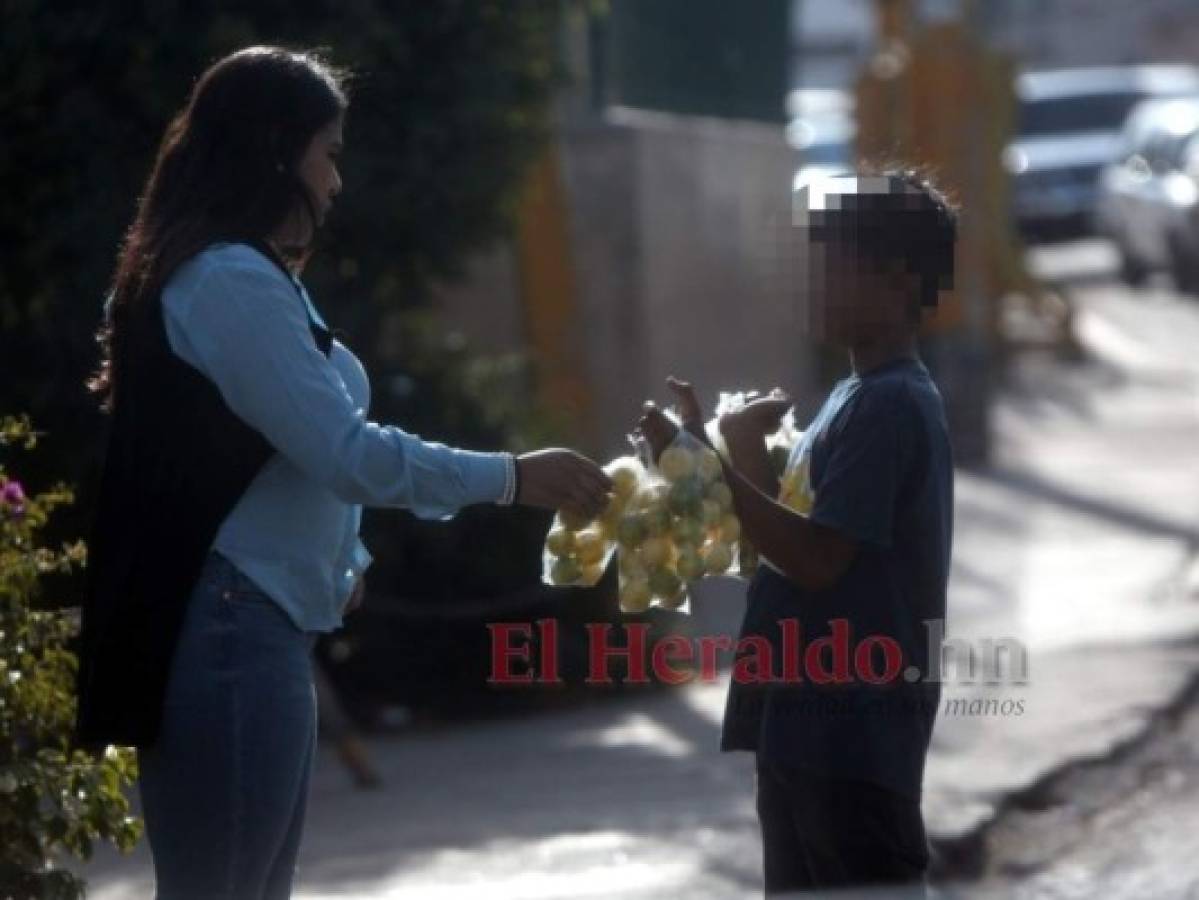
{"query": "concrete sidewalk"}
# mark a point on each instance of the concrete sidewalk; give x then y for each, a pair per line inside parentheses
(1077, 543)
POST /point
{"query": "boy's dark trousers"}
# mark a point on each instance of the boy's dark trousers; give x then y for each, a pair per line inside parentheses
(831, 833)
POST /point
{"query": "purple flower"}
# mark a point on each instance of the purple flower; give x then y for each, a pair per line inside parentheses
(12, 495)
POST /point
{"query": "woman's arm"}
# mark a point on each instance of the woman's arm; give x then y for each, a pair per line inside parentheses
(242, 326)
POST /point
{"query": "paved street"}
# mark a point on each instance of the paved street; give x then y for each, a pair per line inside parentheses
(1127, 827)
(1079, 543)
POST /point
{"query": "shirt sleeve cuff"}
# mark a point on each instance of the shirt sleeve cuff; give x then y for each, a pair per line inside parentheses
(487, 476)
(360, 558)
(510, 482)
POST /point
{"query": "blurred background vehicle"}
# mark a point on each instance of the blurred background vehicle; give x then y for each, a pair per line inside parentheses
(1068, 129)
(1184, 260)
(821, 129)
(803, 103)
(1147, 203)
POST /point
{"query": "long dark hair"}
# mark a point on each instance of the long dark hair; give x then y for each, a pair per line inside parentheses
(225, 171)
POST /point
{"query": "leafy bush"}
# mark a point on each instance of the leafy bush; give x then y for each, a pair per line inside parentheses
(53, 799)
(449, 108)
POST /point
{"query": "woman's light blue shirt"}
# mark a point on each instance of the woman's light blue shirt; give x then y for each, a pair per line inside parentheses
(232, 314)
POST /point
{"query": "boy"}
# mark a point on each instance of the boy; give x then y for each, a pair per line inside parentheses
(855, 550)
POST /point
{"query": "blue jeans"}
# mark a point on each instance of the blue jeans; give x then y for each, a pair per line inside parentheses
(224, 788)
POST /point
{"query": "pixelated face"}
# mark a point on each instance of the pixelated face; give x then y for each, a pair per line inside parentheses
(846, 295)
(851, 298)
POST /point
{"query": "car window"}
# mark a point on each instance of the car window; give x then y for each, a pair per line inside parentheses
(1165, 151)
(1159, 150)
(1154, 119)
(1067, 115)
(1136, 141)
(1190, 156)
(1178, 150)
(825, 154)
(1139, 130)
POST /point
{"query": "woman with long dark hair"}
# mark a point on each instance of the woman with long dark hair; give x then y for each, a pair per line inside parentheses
(238, 463)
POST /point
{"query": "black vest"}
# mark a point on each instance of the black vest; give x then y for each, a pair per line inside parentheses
(177, 462)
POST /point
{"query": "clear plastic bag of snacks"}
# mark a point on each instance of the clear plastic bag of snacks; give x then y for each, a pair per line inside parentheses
(670, 522)
(577, 552)
(679, 526)
(779, 446)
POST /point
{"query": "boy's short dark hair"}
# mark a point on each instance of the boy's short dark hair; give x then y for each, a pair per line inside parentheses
(895, 220)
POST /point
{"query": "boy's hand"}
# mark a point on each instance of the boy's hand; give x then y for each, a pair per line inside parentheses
(756, 419)
(657, 430)
(690, 411)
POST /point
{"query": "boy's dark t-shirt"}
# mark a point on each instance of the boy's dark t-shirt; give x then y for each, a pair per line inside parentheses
(876, 465)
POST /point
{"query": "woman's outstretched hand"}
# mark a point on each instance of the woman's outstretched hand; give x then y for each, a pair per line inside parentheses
(563, 479)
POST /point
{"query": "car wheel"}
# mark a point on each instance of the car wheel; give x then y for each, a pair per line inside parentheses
(1133, 272)
(1184, 265)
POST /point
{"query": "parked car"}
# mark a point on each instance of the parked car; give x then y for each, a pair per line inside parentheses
(1069, 128)
(1184, 255)
(804, 103)
(824, 141)
(1147, 198)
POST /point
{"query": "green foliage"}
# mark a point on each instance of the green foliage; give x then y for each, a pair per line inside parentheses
(449, 107)
(446, 392)
(52, 798)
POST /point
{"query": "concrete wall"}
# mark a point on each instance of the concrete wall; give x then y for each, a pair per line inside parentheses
(669, 240)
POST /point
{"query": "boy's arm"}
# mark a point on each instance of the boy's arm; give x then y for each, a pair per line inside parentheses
(751, 458)
(855, 500)
(810, 554)
(856, 494)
